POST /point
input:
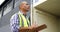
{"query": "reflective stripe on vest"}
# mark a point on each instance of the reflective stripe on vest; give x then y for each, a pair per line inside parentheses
(25, 21)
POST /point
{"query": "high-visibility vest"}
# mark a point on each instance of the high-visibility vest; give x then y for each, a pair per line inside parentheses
(23, 20)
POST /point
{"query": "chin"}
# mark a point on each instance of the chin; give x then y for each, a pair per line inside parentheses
(27, 10)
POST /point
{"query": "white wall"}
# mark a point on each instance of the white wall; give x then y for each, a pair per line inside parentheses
(45, 18)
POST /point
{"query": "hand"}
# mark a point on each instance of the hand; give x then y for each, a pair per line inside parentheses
(32, 26)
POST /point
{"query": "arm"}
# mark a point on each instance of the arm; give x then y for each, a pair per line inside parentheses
(14, 24)
(27, 28)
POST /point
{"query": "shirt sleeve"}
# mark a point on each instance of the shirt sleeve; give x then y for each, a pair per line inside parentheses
(14, 23)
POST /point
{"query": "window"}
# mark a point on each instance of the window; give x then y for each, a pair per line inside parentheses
(8, 8)
(1, 1)
(17, 2)
(0, 13)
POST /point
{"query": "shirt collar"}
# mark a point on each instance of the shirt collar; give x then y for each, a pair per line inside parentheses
(20, 12)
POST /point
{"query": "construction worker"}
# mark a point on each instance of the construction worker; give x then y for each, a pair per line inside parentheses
(21, 19)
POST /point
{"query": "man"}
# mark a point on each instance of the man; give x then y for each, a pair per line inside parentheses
(21, 20)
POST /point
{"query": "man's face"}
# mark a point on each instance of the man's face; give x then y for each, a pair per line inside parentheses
(26, 6)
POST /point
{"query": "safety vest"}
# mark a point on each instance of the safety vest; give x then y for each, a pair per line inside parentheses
(23, 21)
